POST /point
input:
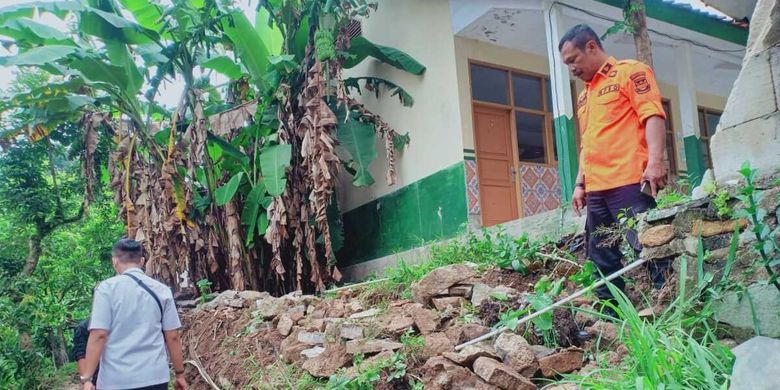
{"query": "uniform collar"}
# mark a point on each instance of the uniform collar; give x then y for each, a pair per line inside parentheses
(604, 70)
(133, 269)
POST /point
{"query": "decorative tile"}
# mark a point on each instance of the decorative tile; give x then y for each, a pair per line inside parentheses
(472, 187)
(540, 189)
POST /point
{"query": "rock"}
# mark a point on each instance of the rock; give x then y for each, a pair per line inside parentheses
(187, 303)
(312, 352)
(515, 352)
(656, 235)
(737, 312)
(712, 228)
(728, 343)
(606, 331)
(501, 375)
(296, 316)
(661, 214)
(326, 363)
(355, 306)
(291, 348)
(351, 332)
(399, 325)
(315, 325)
(441, 304)
(425, 320)
(479, 293)
(336, 308)
(770, 200)
(311, 338)
(371, 346)
(461, 290)
(461, 333)
(673, 248)
(647, 312)
(285, 324)
(269, 307)
(437, 343)
(562, 362)
(365, 314)
(250, 295)
(438, 280)
(441, 374)
(584, 319)
(684, 220)
(541, 351)
(756, 365)
(466, 356)
(703, 189)
(565, 386)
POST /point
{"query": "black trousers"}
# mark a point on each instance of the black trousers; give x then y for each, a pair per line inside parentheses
(604, 208)
(161, 386)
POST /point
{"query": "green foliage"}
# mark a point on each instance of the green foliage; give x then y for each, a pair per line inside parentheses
(368, 374)
(204, 288)
(358, 139)
(362, 48)
(584, 277)
(670, 197)
(720, 201)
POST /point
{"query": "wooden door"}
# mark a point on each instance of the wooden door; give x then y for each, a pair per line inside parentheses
(496, 170)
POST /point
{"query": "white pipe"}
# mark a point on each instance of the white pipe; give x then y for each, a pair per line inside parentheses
(560, 303)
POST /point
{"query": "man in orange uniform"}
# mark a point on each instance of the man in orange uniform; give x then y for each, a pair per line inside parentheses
(622, 125)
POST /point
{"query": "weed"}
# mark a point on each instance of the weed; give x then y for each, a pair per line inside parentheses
(413, 344)
(368, 374)
(204, 287)
(280, 376)
(670, 197)
(720, 201)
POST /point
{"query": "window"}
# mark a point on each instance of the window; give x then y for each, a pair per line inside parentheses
(529, 97)
(671, 151)
(708, 122)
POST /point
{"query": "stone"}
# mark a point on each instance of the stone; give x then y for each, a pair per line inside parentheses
(440, 373)
(250, 295)
(187, 303)
(441, 304)
(461, 290)
(399, 325)
(756, 364)
(501, 375)
(655, 215)
(438, 280)
(541, 351)
(436, 343)
(336, 308)
(771, 199)
(656, 235)
(365, 314)
(326, 363)
(466, 356)
(751, 97)
(355, 306)
(311, 338)
(605, 331)
(461, 333)
(565, 386)
(296, 316)
(285, 324)
(713, 228)
(683, 221)
(371, 346)
(479, 293)
(515, 352)
(269, 307)
(756, 138)
(736, 311)
(647, 312)
(351, 332)
(584, 319)
(562, 362)
(425, 320)
(703, 189)
(673, 248)
(312, 352)
(315, 325)
(290, 348)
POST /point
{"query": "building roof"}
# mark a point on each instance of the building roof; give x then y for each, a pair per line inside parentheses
(684, 15)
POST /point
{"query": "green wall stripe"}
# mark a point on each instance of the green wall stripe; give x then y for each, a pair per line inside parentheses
(429, 209)
(694, 160)
(568, 161)
(682, 16)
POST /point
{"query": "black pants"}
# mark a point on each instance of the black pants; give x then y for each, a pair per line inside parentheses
(604, 208)
(161, 386)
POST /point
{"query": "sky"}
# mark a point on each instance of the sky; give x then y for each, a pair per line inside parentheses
(170, 92)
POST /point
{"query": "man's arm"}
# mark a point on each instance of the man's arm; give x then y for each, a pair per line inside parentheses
(173, 343)
(655, 173)
(95, 345)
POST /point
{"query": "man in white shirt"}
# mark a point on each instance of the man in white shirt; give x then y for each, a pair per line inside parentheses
(133, 320)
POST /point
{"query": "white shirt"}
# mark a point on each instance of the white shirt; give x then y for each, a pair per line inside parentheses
(135, 353)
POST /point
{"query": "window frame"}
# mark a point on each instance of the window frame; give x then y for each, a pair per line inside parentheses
(674, 168)
(704, 135)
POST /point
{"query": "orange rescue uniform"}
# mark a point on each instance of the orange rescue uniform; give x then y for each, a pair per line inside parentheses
(612, 111)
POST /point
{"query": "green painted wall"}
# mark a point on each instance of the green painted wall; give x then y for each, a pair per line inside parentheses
(568, 160)
(429, 209)
(690, 19)
(694, 160)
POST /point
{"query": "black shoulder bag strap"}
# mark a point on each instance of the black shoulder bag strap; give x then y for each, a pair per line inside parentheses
(149, 290)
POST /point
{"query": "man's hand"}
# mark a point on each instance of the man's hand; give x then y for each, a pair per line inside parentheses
(656, 175)
(180, 383)
(88, 386)
(578, 200)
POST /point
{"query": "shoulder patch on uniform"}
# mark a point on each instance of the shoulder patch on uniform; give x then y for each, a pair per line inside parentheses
(640, 82)
(607, 67)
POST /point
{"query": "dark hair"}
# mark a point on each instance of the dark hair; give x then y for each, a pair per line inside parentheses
(127, 250)
(580, 35)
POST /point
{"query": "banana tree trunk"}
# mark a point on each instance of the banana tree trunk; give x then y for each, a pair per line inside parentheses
(57, 345)
(642, 42)
(33, 254)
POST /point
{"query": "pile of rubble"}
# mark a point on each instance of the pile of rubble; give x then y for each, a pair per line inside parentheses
(322, 335)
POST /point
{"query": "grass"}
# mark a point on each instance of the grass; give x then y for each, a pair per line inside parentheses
(280, 375)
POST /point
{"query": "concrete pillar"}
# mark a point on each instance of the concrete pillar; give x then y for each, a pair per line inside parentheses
(750, 126)
(563, 110)
(686, 98)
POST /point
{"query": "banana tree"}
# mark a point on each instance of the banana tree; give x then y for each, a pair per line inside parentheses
(237, 183)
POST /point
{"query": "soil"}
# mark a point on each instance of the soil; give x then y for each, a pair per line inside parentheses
(565, 328)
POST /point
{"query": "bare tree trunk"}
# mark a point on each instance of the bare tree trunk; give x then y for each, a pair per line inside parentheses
(642, 42)
(33, 254)
(57, 345)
